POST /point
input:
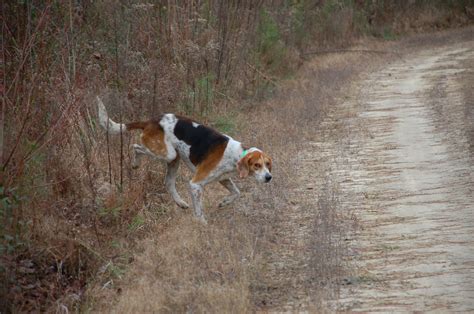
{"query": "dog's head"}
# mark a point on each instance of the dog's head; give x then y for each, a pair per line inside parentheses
(257, 163)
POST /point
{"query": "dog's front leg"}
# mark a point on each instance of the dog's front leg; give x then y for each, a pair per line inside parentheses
(170, 180)
(197, 190)
(232, 188)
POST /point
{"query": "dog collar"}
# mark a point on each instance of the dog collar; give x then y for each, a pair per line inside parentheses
(250, 150)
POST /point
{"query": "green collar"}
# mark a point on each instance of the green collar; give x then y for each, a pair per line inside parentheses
(245, 152)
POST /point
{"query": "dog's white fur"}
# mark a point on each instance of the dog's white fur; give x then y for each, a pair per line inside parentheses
(106, 123)
(222, 172)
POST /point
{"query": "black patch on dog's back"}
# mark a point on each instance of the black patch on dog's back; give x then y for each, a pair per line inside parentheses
(201, 138)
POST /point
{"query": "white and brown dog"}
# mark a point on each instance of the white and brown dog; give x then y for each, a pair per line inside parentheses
(211, 156)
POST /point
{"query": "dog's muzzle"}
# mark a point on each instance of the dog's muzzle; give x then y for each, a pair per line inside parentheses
(268, 177)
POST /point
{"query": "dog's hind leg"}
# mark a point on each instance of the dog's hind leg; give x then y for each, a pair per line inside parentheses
(158, 145)
(138, 152)
(232, 188)
(197, 190)
(142, 150)
(170, 180)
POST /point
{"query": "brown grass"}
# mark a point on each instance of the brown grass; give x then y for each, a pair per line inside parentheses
(189, 267)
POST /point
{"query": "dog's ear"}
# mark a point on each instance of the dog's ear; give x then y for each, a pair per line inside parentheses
(270, 162)
(243, 167)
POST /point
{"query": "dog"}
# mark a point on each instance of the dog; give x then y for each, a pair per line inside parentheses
(210, 155)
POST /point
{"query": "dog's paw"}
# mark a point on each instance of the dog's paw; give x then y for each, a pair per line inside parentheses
(201, 219)
(182, 204)
(226, 201)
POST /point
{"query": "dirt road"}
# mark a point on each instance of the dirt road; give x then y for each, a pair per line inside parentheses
(408, 176)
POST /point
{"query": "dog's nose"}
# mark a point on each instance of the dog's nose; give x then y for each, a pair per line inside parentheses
(268, 177)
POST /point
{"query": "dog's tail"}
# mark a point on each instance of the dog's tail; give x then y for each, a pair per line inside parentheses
(113, 127)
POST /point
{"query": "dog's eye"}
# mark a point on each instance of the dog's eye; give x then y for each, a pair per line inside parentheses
(257, 166)
(267, 164)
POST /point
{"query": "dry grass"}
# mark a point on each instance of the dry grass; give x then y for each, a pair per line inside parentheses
(190, 267)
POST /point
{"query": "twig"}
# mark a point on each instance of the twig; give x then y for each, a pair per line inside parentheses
(3, 90)
(28, 46)
(109, 161)
(23, 125)
(50, 130)
(155, 79)
(55, 182)
(265, 76)
(232, 100)
(121, 154)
